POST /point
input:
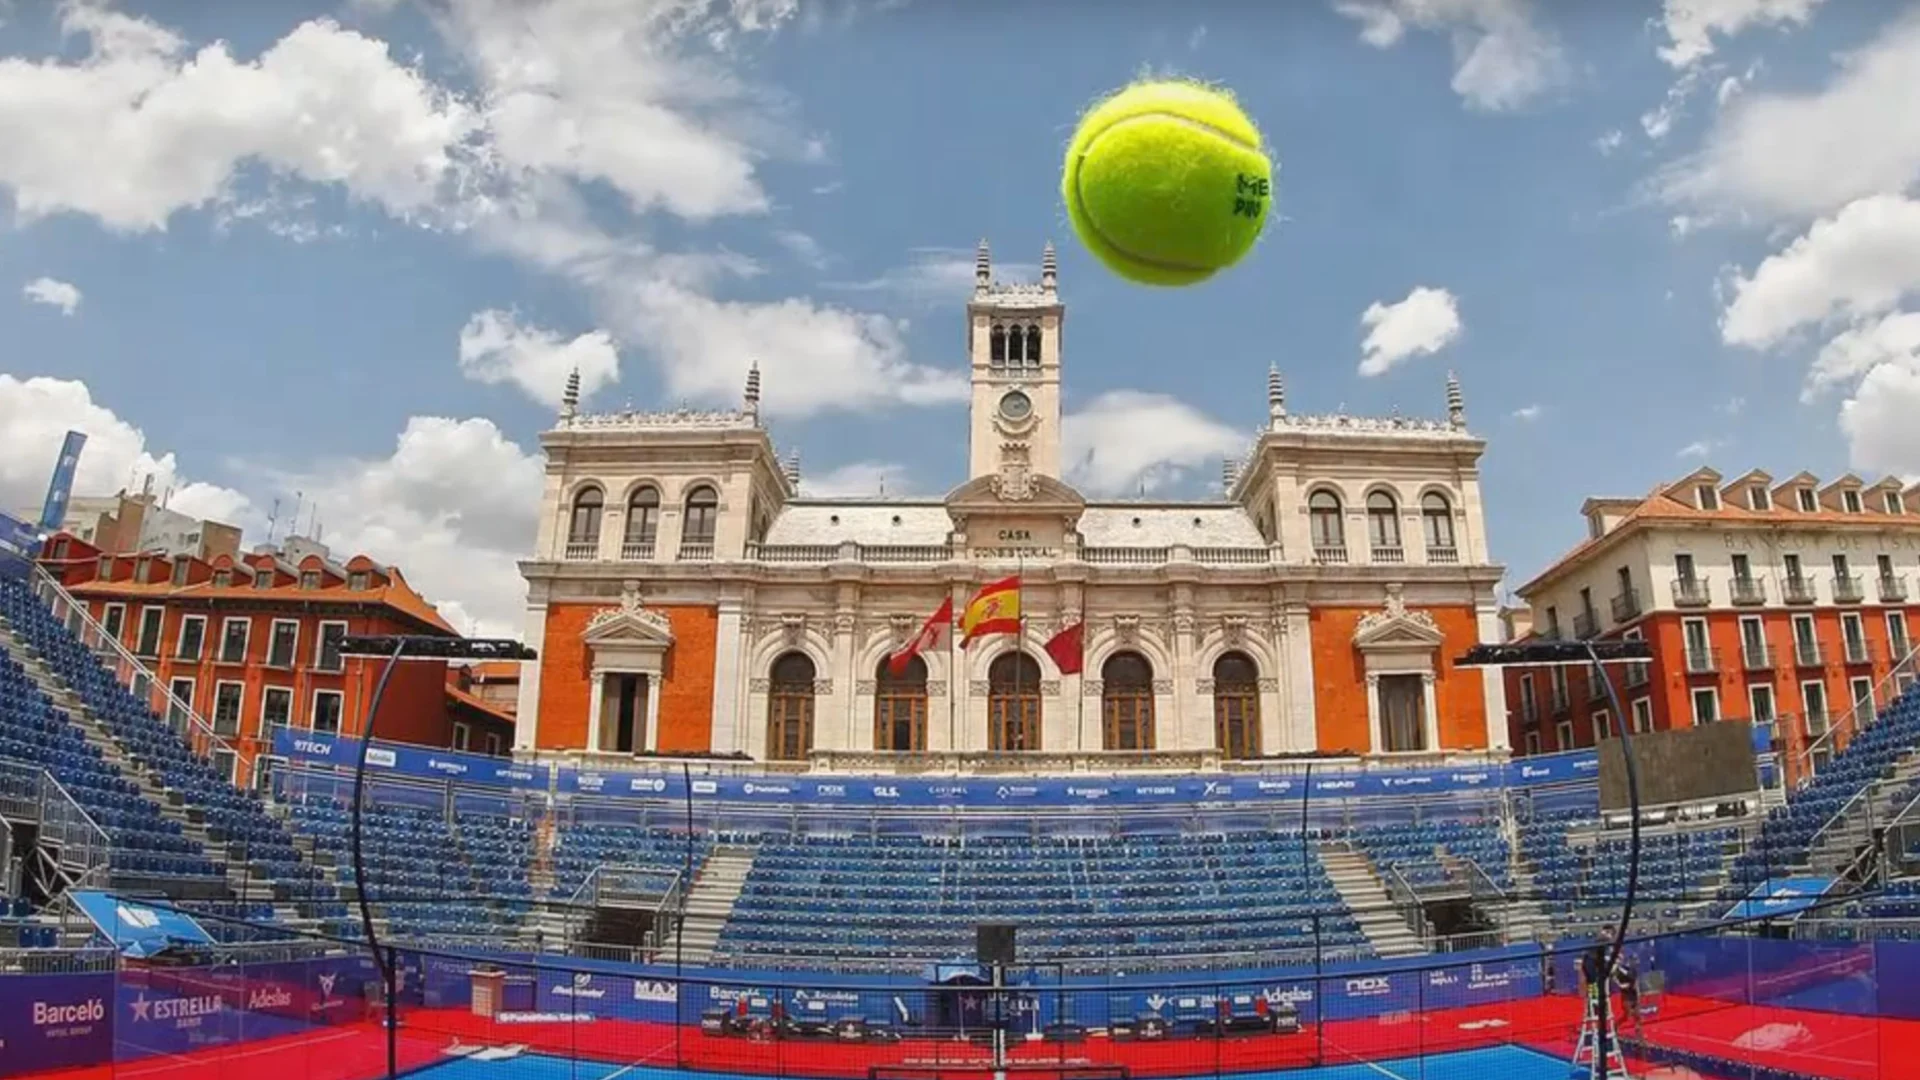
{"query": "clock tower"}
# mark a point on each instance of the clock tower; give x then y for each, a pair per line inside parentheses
(1013, 351)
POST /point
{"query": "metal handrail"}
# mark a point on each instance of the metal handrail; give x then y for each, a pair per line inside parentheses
(1853, 714)
(52, 593)
(587, 895)
(81, 839)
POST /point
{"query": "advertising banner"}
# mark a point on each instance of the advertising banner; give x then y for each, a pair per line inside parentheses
(136, 929)
(1781, 896)
(60, 488)
(55, 1022)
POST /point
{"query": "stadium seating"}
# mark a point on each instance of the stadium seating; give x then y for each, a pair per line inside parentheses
(1417, 852)
(864, 900)
(1582, 881)
(583, 845)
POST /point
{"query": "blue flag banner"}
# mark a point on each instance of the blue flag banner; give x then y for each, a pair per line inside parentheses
(452, 766)
(136, 929)
(60, 488)
(1781, 896)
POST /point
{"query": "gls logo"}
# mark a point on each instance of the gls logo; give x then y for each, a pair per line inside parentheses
(886, 791)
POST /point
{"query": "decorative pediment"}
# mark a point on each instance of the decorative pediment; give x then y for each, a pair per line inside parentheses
(629, 624)
(1029, 492)
(1394, 627)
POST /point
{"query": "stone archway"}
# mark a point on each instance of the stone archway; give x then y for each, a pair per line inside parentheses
(627, 650)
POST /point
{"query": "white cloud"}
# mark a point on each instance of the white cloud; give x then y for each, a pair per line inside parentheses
(1858, 263)
(454, 506)
(1502, 60)
(1700, 448)
(935, 277)
(1610, 141)
(53, 293)
(1800, 155)
(36, 414)
(1877, 420)
(1126, 441)
(496, 348)
(167, 130)
(813, 358)
(1692, 24)
(1733, 406)
(1425, 322)
(1527, 413)
(859, 478)
(1854, 353)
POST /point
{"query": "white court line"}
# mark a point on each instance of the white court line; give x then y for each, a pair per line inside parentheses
(169, 1059)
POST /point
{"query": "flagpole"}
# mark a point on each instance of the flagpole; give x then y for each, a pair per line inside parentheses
(1080, 685)
(1020, 635)
(953, 678)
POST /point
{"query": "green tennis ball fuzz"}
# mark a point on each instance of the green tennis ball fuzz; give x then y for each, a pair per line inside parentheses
(1166, 182)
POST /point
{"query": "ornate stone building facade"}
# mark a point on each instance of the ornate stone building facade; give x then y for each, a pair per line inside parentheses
(686, 598)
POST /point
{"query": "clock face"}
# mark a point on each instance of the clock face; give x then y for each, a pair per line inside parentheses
(1016, 406)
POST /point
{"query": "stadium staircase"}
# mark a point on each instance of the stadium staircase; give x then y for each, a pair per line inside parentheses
(716, 888)
(1360, 888)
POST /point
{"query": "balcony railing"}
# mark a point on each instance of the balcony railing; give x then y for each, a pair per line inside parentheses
(1327, 556)
(1389, 554)
(1626, 606)
(1797, 590)
(1806, 653)
(1691, 592)
(696, 551)
(1585, 625)
(1892, 590)
(637, 549)
(1443, 554)
(1702, 659)
(1817, 724)
(1847, 590)
(582, 550)
(1748, 590)
(1857, 652)
(1756, 657)
(1558, 701)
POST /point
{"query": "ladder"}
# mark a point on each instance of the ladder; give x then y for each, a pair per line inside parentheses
(1587, 1059)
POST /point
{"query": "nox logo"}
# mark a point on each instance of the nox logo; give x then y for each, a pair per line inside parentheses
(1367, 986)
(831, 791)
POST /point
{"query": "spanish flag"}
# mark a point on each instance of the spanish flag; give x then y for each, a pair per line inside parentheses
(995, 609)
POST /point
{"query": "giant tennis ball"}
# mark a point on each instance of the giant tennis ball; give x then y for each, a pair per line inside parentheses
(1166, 182)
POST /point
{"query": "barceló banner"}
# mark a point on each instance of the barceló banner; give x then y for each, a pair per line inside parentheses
(446, 766)
(55, 1022)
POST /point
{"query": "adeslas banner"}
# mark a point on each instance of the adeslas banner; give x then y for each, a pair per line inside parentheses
(447, 766)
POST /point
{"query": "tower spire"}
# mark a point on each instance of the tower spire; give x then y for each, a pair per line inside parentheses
(752, 395)
(1049, 268)
(570, 400)
(1276, 393)
(982, 268)
(793, 468)
(1456, 403)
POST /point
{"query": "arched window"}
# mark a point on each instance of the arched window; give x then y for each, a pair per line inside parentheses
(583, 526)
(1033, 346)
(1126, 702)
(643, 523)
(1236, 705)
(1383, 522)
(900, 706)
(1323, 514)
(1016, 346)
(997, 344)
(790, 708)
(1436, 518)
(703, 513)
(1013, 703)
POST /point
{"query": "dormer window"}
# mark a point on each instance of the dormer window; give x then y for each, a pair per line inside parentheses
(263, 579)
(1896, 504)
(140, 568)
(1808, 503)
(1850, 500)
(60, 548)
(222, 579)
(1595, 527)
(1758, 498)
(309, 579)
(180, 569)
(105, 570)
(359, 580)
(1709, 498)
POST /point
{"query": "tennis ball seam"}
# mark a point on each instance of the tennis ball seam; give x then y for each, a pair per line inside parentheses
(1081, 196)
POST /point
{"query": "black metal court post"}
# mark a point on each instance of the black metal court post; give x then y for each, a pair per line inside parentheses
(1598, 654)
(395, 648)
(680, 927)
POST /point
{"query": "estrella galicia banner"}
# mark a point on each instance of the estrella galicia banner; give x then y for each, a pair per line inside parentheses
(938, 793)
(55, 1022)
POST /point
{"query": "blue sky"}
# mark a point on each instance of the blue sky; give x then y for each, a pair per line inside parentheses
(348, 251)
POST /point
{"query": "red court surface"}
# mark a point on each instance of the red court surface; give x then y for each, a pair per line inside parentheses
(1828, 1045)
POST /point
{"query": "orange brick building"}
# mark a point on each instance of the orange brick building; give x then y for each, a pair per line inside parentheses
(1785, 603)
(686, 596)
(248, 643)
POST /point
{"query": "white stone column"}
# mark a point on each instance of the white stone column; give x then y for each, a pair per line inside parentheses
(653, 710)
(833, 718)
(1188, 735)
(1493, 684)
(526, 728)
(596, 690)
(1373, 714)
(1432, 709)
(729, 686)
(1297, 642)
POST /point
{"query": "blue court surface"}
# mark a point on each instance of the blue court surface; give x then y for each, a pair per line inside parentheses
(1502, 1062)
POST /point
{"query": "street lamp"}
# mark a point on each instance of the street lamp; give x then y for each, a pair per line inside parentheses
(398, 647)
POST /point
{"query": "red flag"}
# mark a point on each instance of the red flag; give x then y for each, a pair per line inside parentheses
(928, 637)
(1066, 648)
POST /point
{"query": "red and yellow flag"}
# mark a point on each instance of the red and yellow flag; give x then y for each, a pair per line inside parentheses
(995, 609)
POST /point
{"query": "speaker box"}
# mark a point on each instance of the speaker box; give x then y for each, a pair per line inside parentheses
(994, 943)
